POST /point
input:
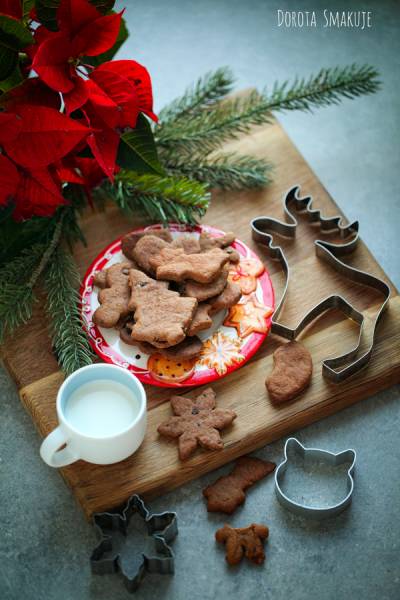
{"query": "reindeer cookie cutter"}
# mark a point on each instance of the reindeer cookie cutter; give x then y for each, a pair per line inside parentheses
(328, 458)
(339, 368)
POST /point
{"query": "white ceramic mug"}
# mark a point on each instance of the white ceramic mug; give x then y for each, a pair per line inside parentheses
(101, 411)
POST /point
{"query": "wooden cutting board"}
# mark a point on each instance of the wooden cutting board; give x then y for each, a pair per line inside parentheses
(155, 468)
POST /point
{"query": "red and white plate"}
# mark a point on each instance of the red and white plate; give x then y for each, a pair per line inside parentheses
(235, 335)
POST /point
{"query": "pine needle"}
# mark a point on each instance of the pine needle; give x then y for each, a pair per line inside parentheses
(69, 339)
(226, 171)
(200, 134)
(203, 94)
(160, 198)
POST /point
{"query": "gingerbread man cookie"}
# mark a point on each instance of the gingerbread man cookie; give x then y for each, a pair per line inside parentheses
(114, 298)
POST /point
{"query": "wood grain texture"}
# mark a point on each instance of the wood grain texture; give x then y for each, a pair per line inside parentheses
(155, 468)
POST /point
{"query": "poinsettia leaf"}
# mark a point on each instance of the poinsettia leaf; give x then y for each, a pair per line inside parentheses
(137, 150)
(98, 36)
(47, 10)
(13, 34)
(8, 62)
(27, 6)
(37, 194)
(104, 145)
(123, 35)
(10, 126)
(12, 81)
(46, 136)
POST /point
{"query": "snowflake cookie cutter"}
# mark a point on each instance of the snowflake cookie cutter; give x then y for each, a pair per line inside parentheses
(339, 368)
(331, 459)
(162, 527)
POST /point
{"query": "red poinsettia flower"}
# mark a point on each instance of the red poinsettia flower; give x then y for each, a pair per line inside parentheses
(11, 8)
(83, 31)
(33, 192)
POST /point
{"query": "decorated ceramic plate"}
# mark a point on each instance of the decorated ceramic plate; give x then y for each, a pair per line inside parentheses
(229, 343)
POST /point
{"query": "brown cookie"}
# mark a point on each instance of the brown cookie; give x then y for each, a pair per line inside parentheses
(291, 373)
(162, 316)
(227, 298)
(130, 240)
(146, 248)
(227, 493)
(204, 291)
(174, 265)
(114, 298)
(188, 243)
(201, 319)
(196, 422)
(245, 541)
(207, 242)
(186, 350)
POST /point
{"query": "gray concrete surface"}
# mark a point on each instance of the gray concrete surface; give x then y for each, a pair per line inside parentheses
(44, 539)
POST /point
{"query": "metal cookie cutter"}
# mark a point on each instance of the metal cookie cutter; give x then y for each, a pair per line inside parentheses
(330, 459)
(339, 368)
(162, 527)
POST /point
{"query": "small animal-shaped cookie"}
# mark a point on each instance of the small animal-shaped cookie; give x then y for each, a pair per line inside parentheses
(202, 317)
(162, 317)
(114, 298)
(205, 291)
(245, 541)
(228, 492)
(174, 265)
(130, 240)
(291, 373)
(207, 242)
(146, 248)
(196, 422)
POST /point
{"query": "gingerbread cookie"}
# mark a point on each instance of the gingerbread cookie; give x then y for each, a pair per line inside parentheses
(113, 299)
(186, 350)
(162, 317)
(196, 422)
(146, 248)
(188, 243)
(100, 279)
(169, 370)
(201, 319)
(245, 541)
(291, 373)
(207, 242)
(227, 493)
(130, 240)
(174, 265)
(204, 291)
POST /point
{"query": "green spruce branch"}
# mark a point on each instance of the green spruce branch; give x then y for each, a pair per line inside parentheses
(204, 132)
(70, 342)
(208, 90)
(226, 171)
(160, 198)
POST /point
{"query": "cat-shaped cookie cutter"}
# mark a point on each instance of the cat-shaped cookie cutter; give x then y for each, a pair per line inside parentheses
(339, 368)
(331, 459)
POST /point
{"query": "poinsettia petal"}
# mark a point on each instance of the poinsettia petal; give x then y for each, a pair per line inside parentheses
(11, 8)
(97, 36)
(72, 15)
(66, 170)
(51, 63)
(91, 172)
(31, 91)
(10, 126)
(77, 96)
(9, 179)
(103, 143)
(37, 194)
(139, 76)
(45, 136)
(122, 93)
(101, 105)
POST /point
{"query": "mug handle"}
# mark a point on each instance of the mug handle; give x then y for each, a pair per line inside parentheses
(50, 453)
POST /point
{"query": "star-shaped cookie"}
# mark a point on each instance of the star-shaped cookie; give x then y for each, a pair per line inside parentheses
(249, 316)
(196, 422)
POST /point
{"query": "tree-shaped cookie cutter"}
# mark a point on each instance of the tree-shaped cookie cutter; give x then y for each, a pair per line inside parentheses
(329, 458)
(341, 367)
(162, 527)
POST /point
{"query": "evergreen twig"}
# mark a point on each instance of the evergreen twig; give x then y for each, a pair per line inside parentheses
(69, 340)
(226, 171)
(160, 198)
(203, 94)
(202, 133)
